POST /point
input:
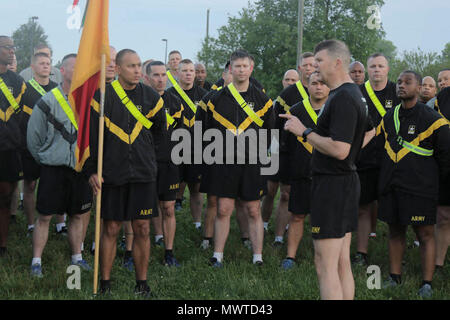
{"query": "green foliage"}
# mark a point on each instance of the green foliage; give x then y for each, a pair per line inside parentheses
(26, 37)
(268, 30)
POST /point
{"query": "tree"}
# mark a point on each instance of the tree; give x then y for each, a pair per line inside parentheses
(26, 37)
(268, 30)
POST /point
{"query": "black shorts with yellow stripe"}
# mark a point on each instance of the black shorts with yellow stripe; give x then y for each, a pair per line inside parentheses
(243, 181)
(132, 201)
(398, 207)
(168, 181)
(334, 205)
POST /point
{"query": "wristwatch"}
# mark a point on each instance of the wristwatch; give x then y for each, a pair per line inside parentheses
(306, 132)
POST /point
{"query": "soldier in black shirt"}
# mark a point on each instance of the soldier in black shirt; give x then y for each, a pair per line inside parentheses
(340, 134)
(200, 77)
(168, 173)
(12, 88)
(287, 98)
(190, 173)
(298, 155)
(380, 95)
(133, 113)
(416, 154)
(36, 88)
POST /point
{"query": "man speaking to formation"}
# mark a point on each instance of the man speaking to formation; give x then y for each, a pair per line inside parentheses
(339, 136)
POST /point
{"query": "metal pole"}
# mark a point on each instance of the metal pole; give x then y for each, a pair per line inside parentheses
(207, 38)
(165, 56)
(33, 19)
(301, 4)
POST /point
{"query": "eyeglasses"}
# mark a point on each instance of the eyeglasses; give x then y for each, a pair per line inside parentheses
(9, 47)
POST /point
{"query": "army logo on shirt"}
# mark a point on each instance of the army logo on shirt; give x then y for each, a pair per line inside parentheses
(139, 107)
(388, 104)
(411, 129)
(11, 89)
(251, 105)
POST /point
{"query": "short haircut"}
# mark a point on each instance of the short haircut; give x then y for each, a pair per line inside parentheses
(174, 51)
(355, 63)
(240, 54)
(227, 66)
(445, 69)
(306, 55)
(67, 57)
(335, 48)
(185, 61)
(148, 69)
(416, 75)
(41, 46)
(121, 54)
(39, 55)
(5, 38)
(376, 55)
(314, 73)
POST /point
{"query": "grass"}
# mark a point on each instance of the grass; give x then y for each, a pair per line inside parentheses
(195, 280)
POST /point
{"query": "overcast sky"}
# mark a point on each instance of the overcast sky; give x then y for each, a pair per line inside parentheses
(141, 24)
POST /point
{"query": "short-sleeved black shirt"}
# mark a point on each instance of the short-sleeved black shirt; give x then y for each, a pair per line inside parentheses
(343, 118)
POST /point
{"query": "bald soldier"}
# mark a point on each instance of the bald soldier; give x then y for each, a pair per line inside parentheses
(290, 77)
(357, 72)
(428, 89)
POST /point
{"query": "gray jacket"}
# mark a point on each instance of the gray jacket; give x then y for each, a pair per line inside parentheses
(51, 137)
(55, 74)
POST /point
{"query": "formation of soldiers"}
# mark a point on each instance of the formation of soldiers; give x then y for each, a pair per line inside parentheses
(350, 151)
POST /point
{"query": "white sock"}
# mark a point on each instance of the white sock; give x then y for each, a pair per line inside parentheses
(76, 258)
(257, 257)
(198, 224)
(59, 226)
(218, 256)
(36, 261)
(287, 227)
(158, 236)
(82, 246)
(30, 226)
(266, 225)
(65, 218)
(93, 246)
(278, 239)
(21, 196)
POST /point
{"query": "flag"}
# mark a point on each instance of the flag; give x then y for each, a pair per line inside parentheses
(85, 81)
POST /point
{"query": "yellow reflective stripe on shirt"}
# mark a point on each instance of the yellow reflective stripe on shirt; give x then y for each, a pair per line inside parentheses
(9, 96)
(302, 90)
(376, 102)
(310, 110)
(245, 106)
(37, 87)
(65, 106)
(170, 120)
(130, 105)
(181, 92)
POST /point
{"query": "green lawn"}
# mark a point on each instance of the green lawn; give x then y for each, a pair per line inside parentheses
(239, 279)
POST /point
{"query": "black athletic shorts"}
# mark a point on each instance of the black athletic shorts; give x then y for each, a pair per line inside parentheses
(334, 205)
(369, 185)
(190, 173)
(168, 181)
(62, 190)
(131, 201)
(283, 174)
(300, 197)
(205, 181)
(444, 193)
(31, 169)
(401, 208)
(241, 181)
(10, 166)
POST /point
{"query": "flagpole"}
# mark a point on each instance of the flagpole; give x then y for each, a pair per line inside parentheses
(101, 126)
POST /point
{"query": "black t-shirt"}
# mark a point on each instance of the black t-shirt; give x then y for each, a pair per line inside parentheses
(343, 118)
(388, 99)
